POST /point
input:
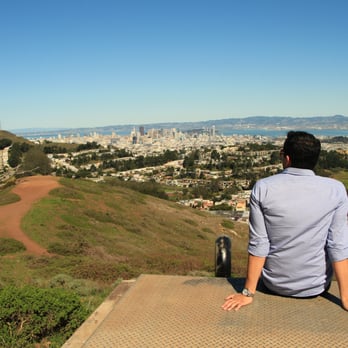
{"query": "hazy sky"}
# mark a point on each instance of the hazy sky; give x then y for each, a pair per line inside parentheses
(86, 63)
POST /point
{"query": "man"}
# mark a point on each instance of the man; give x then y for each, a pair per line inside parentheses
(298, 232)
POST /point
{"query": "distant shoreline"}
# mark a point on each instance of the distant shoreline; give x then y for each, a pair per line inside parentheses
(282, 133)
(270, 126)
(271, 133)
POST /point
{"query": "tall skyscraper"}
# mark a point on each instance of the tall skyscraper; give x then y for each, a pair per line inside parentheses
(142, 130)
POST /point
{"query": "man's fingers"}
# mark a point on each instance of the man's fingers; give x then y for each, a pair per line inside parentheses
(236, 301)
(229, 304)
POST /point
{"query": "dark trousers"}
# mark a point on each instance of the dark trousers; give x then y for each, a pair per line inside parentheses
(263, 288)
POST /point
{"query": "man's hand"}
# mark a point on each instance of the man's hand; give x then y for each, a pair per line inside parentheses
(236, 301)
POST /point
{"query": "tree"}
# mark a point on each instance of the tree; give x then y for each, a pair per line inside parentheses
(215, 155)
(275, 158)
(88, 146)
(189, 161)
(15, 155)
(36, 160)
(5, 143)
(332, 159)
(170, 156)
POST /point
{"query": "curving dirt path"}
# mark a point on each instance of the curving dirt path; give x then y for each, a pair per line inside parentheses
(30, 190)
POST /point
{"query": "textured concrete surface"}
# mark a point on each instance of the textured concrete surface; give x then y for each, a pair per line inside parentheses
(178, 311)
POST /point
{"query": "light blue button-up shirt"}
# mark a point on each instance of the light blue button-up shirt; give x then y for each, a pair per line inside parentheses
(298, 221)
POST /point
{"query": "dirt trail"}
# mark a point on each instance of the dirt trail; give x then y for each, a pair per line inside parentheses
(30, 190)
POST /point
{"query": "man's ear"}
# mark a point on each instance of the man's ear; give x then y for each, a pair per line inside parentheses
(287, 161)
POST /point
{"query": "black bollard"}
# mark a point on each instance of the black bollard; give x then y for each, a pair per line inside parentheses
(223, 257)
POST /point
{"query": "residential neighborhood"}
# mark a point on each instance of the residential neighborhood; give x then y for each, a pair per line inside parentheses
(201, 169)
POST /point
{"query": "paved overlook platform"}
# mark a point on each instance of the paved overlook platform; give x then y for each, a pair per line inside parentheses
(182, 311)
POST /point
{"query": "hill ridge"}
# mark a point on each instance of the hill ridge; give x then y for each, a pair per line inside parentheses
(270, 122)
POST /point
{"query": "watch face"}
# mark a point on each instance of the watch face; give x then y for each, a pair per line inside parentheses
(247, 293)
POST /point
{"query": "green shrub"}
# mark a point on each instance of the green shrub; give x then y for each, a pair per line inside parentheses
(104, 271)
(6, 196)
(191, 222)
(60, 281)
(99, 216)
(149, 188)
(68, 193)
(223, 206)
(81, 287)
(228, 224)
(68, 249)
(10, 246)
(31, 315)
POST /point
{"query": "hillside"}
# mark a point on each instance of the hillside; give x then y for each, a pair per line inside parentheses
(19, 139)
(99, 233)
(14, 138)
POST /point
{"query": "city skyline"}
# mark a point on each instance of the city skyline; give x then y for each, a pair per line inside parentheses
(70, 64)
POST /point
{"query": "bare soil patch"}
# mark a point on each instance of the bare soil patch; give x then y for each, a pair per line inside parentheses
(30, 190)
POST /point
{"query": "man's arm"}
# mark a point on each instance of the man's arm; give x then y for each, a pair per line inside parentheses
(341, 272)
(236, 301)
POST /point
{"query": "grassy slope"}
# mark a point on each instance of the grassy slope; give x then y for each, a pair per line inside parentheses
(342, 176)
(100, 233)
(7, 135)
(7, 197)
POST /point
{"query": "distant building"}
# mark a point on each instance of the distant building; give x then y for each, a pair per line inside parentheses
(241, 205)
(142, 130)
(4, 157)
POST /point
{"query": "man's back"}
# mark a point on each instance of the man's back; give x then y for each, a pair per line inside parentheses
(298, 228)
(296, 221)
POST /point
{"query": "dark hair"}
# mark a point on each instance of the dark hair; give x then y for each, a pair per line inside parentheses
(303, 149)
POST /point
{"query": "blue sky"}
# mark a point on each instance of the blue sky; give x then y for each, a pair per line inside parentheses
(87, 63)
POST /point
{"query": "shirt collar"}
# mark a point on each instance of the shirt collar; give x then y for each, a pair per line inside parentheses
(298, 171)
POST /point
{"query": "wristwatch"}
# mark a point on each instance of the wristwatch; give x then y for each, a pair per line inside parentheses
(246, 292)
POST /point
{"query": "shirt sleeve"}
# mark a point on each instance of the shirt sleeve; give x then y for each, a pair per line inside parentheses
(337, 241)
(259, 244)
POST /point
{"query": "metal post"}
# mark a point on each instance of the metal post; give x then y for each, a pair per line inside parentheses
(223, 257)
